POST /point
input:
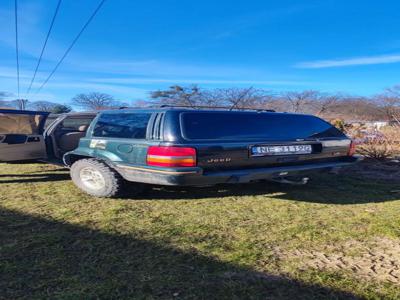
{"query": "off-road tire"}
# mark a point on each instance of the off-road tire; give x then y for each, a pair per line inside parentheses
(113, 182)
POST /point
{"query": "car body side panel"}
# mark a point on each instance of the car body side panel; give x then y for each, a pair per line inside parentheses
(32, 147)
(113, 150)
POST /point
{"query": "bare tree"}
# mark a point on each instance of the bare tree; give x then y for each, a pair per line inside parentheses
(177, 95)
(241, 97)
(356, 108)
(61, 109)
(328, 106)
(326, 103)
(389, 102)
(237, 97)
(94, 101)
(43, 105)
(50, 107)
(210, 98)
(227, 97)
(300, 101)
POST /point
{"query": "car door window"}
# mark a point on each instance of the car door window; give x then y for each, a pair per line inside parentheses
(20, 124)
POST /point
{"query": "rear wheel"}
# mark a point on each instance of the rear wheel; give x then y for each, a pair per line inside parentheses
(96, 178)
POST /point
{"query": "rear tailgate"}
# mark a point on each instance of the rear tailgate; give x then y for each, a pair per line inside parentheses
(235, 140)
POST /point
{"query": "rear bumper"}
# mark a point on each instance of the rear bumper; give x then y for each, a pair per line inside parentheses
(196, 176)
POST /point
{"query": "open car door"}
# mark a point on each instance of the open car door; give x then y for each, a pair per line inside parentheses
(21, 135)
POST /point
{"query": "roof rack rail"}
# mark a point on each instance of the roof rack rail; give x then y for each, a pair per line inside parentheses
(215, 107)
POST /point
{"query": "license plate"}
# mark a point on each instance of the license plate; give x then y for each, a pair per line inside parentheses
(280, 150)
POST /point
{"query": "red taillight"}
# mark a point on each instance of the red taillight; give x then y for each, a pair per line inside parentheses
(165, 156)
(352, 149)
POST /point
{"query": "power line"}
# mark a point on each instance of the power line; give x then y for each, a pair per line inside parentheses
(72, 44)
(16, 41)
(44, 45)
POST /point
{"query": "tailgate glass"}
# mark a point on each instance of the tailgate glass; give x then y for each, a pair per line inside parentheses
(253, 125)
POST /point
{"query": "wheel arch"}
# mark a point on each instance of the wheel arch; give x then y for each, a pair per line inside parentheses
(70, 158)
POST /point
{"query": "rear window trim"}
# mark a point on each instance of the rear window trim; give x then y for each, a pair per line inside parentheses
(155, 127)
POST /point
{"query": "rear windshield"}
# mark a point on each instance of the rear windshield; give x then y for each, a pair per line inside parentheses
(124, 125)
(20, 123)
(244, 125)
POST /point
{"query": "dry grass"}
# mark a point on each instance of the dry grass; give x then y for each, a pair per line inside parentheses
(256, 241)
(378, 260)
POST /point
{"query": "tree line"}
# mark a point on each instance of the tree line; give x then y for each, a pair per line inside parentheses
(384, 106)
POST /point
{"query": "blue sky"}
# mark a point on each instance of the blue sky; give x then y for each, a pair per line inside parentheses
(133, 47)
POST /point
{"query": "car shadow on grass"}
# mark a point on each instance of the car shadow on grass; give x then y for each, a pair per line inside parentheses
(44, 258)
(323, 188)
(33, 178)
(329, 189)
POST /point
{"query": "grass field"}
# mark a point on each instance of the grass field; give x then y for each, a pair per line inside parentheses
(338, 237)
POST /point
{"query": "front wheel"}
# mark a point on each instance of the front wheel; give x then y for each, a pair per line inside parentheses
(96, 178)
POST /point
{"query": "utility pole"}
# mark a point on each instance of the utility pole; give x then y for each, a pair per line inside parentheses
(21, 103)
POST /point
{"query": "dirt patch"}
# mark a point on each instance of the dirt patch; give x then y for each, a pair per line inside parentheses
(382, 170)
(379, 261)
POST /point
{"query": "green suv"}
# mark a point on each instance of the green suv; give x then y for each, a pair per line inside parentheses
(110, 150)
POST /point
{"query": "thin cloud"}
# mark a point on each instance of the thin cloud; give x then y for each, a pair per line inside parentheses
(357, 61)
(138, 80)
(64, 85)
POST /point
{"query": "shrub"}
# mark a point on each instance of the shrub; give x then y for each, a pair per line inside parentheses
(339, 124)
(392, 134)
(375, 148)
(381, 144)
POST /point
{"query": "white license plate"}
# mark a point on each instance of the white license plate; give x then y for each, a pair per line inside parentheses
(280, 150)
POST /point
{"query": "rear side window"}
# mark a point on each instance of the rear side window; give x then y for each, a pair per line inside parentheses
(244, 125)
(124, 125)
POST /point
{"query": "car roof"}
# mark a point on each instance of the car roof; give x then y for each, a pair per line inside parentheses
(183, 109)
(83, 113)
(202, 109)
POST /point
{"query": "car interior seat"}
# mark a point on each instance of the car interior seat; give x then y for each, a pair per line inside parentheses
(70, 140)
